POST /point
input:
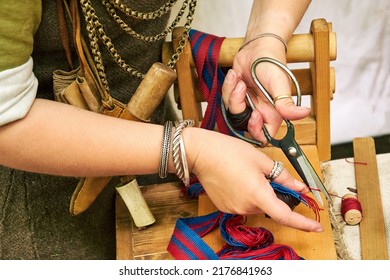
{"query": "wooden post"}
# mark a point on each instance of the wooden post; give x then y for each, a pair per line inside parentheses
(372, 227)
(321, 86)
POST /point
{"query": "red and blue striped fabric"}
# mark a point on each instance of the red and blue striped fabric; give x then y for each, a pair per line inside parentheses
(206, 48)
(242, 242)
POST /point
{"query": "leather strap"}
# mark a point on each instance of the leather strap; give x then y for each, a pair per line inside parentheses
(64, 34)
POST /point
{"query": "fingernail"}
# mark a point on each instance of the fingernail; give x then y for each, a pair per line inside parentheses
(303, 108)
(319, 229)
(240, 86)
(229, 75)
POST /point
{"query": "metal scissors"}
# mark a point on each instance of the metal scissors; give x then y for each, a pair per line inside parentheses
(288, 144)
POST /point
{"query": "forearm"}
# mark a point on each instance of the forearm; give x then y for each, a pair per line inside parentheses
(276, 16)
(59, 139)
(63, 140)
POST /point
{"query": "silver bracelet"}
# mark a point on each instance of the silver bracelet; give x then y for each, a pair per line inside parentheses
(165, 149)
(265, 35)
(186, 175)
(178, 152)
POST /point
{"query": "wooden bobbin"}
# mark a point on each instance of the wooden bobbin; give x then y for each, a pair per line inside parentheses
(352, 216)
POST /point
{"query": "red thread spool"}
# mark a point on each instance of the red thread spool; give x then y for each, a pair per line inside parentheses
(351, 209)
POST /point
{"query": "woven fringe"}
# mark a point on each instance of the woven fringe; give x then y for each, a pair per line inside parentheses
(338, 224)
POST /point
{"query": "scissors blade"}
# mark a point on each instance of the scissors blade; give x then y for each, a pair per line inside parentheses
(312, 180)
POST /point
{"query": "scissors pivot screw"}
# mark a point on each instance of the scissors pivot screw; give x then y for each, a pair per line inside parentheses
(292, 151)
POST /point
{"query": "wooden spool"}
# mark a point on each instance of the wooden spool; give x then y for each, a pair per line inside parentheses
(352, 216)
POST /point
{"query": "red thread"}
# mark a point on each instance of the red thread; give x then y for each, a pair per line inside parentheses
(356, 162)
(349, 203)
(255, 243)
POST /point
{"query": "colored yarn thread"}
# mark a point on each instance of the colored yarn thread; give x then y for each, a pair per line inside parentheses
(351, 209)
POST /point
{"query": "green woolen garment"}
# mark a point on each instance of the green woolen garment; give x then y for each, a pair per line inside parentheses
(19, 21)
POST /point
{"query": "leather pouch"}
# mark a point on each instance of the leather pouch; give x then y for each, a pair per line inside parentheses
(81, 87)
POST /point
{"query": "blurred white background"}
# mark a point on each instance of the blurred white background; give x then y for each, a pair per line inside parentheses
(361, 104)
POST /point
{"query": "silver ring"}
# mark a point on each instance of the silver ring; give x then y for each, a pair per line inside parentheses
(276, 170)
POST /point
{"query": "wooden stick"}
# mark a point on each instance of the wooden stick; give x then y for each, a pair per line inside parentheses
(300, 49)
(303, 77)
(372, 227)
(151, 91)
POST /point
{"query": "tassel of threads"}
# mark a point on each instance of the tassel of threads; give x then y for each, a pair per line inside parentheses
(312, 204)
(250, 243)
(246, 242)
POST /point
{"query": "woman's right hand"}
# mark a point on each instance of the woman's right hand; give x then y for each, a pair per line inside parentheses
(232, 172)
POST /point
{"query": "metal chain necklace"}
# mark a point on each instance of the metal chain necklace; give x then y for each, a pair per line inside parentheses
(164, 9)
(138, 15)
(95, 31)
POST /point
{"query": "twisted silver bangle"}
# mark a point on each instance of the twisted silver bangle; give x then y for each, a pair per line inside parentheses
(165, 149)
(178, 152)
(186, 175)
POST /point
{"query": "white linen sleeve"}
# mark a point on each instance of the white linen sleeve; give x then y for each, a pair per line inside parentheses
(18, 89)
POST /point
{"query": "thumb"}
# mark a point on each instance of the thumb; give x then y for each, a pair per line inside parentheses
(286, 107)
(284, 102)
(279, 86)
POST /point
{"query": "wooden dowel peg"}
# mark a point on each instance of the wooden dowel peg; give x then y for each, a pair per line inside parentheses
(151, 91)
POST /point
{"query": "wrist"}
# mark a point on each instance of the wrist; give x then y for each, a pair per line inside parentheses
(262, 37)
(263, 47)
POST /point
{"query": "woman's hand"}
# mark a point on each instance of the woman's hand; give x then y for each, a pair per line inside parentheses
(238, 81)
(278, 18)
(233, 172)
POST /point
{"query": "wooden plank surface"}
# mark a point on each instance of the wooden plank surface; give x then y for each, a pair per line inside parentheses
(167, 204)
(372, 227)
(124, 231)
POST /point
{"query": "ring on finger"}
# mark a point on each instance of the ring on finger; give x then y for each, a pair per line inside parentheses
(281, 97)
(276, 170)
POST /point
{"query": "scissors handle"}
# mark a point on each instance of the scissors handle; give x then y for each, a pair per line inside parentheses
(290, 128)
(281, 66)
(270, 139)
